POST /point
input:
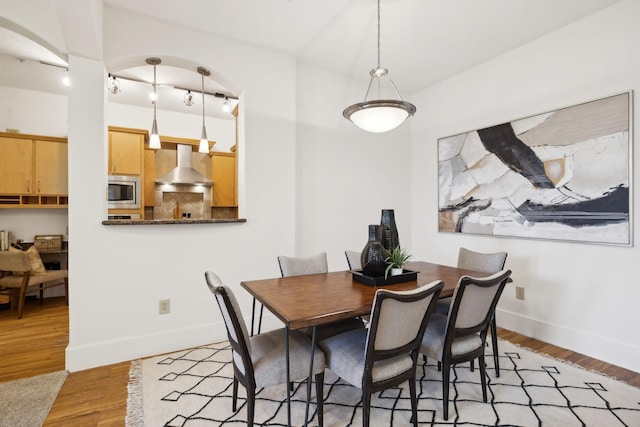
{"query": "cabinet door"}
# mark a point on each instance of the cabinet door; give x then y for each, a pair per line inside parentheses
(125, 153)
(51, 168)
(16, 166)
(223, 171)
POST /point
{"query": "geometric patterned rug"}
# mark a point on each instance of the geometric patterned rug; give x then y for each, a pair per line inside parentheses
(193, 388)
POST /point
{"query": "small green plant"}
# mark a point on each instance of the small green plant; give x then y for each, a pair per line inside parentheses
(396, 258)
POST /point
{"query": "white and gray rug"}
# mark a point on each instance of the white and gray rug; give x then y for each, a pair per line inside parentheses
(193, 388)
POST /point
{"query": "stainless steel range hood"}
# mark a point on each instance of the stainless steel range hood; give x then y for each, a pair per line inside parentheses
(184, 173)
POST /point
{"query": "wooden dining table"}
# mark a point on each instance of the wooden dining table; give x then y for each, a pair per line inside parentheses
(316, 299)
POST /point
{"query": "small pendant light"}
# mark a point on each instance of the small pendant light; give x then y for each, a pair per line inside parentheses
(154, 138)
(204, 141)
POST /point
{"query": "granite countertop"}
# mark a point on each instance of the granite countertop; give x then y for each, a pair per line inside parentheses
(171, 221)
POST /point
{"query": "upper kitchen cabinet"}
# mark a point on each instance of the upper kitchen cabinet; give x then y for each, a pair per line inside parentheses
(223, 169)
(126, 148)
(16, 158)
(33, 171)
(51, 163)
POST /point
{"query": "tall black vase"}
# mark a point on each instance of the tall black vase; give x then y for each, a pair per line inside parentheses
(373, 254)
(389, 230)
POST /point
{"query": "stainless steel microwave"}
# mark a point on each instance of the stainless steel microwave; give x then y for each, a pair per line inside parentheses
(124, 192)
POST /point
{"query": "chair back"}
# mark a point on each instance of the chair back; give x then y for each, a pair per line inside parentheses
(17, 261)
(398, 321)
(474, 303)
(299, 266)
(353, 259)
(485, 263)
(234, 322)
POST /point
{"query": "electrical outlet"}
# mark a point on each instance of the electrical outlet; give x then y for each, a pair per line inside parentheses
(519, 292)
(164, 306)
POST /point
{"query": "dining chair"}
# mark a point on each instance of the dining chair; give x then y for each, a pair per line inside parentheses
(353, 259)
(384, 355)
(260, 360)
(485, 263)
(316, 264)
(461, 336)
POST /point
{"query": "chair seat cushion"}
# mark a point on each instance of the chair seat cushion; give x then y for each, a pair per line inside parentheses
(15, 281)
(269, 357)
(345, 357)
(433, 341)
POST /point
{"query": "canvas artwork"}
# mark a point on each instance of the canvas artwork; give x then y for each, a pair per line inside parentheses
(562, 175)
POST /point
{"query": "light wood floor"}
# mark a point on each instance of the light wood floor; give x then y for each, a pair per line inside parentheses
(98, 397)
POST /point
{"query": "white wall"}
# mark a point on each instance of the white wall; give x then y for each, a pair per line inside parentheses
(120, 273)
(578, 296)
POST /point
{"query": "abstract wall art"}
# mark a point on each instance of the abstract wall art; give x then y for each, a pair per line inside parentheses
(561, 175)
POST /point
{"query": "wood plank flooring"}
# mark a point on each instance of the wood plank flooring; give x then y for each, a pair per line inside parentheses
(36, 345)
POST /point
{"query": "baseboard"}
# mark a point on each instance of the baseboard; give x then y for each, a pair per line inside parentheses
(595, 346)
(79, 358)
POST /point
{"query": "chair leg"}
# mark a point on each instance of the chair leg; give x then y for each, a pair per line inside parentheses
(494, 341)
(260, 321)
(483, 377)
(66, 290)
(414, 401)
(366, 407)
(472, 365)
(320, 397)
(41, 293)
(445, 390)
(251, 403)
(234, 402)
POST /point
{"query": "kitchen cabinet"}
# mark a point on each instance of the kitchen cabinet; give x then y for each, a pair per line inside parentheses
(51, 168)
(16, 159)
(33, 171)
(126, 147)
(224, 175)
(149, 187)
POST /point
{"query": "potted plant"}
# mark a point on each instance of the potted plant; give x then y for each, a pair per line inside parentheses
(396, 259)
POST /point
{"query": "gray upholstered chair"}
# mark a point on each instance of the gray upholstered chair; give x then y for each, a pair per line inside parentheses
(316, 264)
(353, 259)
(461, 336)
(484, 263)
(295, 266)
(259, 361)
(385, 354)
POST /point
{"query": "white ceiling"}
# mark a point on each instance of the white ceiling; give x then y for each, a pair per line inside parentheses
(422, 41)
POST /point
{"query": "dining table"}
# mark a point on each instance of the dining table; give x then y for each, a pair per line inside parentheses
(311, 300)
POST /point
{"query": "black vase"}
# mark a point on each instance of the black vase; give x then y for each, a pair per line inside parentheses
(389, 230)
(373, 254)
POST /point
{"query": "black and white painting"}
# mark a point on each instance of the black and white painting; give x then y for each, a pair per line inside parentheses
(562, 175)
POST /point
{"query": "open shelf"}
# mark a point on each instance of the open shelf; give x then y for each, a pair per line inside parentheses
(33, 201)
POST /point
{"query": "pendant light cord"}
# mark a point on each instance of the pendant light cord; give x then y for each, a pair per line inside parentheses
(155, 94)
(202, 75)
(378, 33)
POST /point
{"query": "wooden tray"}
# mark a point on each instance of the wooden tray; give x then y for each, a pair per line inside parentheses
(406, 276)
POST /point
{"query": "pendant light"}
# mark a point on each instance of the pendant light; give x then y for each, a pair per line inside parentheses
(204, 141)
(154, 138)
(380, 115)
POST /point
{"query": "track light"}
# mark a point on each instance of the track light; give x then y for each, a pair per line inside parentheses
(225, 105)
(65, 79)
(188, 99)
(114, 85)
